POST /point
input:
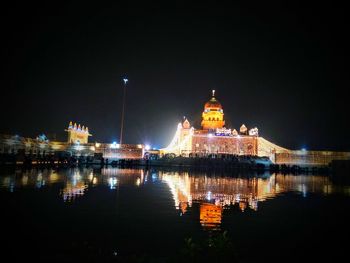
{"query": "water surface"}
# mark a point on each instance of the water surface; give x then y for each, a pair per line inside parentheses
(100, 215)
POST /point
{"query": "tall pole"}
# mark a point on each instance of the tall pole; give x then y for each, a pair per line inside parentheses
(125, 80)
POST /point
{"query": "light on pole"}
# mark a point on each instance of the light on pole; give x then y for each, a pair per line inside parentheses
(125, 80)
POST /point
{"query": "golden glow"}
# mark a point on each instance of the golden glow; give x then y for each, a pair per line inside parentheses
(213, 115)
(77, 134)
(210, 215)
(246, 193)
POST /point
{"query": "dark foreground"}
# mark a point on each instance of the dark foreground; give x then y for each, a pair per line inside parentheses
(147, 215)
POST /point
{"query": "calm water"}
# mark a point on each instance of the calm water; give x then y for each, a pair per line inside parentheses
(100, 215)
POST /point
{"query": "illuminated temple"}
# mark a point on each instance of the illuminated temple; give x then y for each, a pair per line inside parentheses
(214, 138)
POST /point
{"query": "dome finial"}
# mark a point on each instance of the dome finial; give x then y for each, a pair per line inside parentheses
(213, 91)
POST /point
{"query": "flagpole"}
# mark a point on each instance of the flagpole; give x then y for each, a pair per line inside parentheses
(125, 80)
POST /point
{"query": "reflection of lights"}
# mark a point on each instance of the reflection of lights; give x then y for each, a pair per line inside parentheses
(24, 180)
(179, 188)
(91, 176)
(138, 181)
(112, 182)
(39, 180)
(208, 195)
(147, 147)
(94, 180)
(254, 205)
(304, 190)
(154, 177)
(70, 192)
(242, 206)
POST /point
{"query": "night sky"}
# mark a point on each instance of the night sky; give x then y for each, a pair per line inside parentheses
(282, 69)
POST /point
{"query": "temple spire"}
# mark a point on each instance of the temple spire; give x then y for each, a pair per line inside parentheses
(213, 91)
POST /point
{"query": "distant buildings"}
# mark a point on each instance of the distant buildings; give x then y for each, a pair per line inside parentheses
(77, 145)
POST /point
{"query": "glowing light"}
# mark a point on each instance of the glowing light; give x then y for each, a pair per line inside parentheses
(138, 181)
(223, 132)
(125, 80)
(254, 132)
(115, 145)
(78, 147)
(139, 146)
(210, 135)
(112, 182)
(97, 145)
(147, 147)
(94, 180)
(208, 195)
(92, 148)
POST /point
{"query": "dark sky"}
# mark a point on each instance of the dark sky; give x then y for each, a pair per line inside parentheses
(280, 68)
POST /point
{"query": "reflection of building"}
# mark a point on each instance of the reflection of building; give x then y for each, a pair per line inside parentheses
(72, 191)
(244, 193)
(210, 215)
(215, 138)
(75, 181)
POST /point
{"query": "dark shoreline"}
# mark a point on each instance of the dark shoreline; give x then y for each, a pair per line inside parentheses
(237, 164)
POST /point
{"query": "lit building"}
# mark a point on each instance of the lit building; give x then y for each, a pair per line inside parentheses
(215, 138)
(213, 115)
(77, 145)
(77, 134)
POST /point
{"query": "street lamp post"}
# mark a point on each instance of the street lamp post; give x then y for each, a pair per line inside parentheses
(125, 80)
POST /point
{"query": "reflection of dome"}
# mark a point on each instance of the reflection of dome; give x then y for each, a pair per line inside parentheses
(213, 103)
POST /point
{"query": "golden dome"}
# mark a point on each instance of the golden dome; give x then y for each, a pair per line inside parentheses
(213, 114)
(213, 103)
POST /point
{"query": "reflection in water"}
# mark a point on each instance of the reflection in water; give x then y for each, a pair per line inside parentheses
(75, 181)
(75, 186)
(210, 215)
(213, 194)
(217, 193)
